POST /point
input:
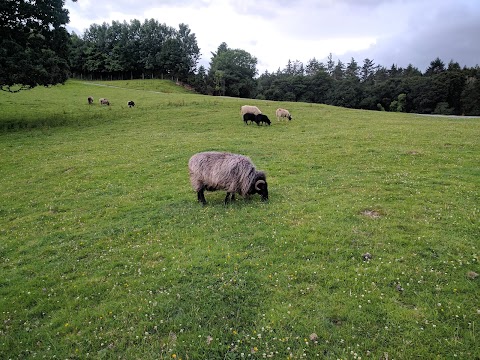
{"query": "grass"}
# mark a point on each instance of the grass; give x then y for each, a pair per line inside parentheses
(105, 252)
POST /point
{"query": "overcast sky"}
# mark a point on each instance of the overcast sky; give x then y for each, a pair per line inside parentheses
(386, 31)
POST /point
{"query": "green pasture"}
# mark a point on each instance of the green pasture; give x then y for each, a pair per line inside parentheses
(105, 252)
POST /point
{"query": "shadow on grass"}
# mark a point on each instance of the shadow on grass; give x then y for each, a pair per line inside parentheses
(50, 121)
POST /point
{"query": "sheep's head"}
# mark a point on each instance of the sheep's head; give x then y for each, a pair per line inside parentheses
(260, 186)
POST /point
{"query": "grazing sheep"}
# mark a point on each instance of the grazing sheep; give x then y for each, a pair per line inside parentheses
(233, 173)
(248, 117)
(260, 118)
(90, 100)
(283, 113)
(104, 101)
(131, 103)
(250, 109)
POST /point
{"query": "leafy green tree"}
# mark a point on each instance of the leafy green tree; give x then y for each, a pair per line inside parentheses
(219, 82)
(367, 71)
(199, 81)
(399, 105)
(153, 55)
(330, 64)
(411, 71)
(353, 70)
(381, 74)
(339, 70)
(136, 50)
(313, 67)
(347, 93)
(402, 103)
(76, 55)
(131, 55)
(189, 50)
(437, 66)
(470, 96)
(33, 44)
(96, 50)
(319, 87)
(394, 71)
(233, 72)
(426, 92)
(455, 80)
(298, 68)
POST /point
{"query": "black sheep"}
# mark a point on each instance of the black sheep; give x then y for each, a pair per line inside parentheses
(248, 117)
(260, 118)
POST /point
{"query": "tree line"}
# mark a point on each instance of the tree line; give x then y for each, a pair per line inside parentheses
(134, 50)
(154, 50)
(441, 89)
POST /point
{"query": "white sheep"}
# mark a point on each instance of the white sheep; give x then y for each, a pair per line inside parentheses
(104, 101)
(283, 113)
(249, 109)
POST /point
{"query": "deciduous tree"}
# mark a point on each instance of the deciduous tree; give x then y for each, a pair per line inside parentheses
(237, 68)
(33, 43)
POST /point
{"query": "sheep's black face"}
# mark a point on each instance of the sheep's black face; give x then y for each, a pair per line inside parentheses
(261, 188)
(263, 192)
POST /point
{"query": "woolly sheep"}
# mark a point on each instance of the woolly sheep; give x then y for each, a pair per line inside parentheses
(283, 113)
(131, 103)
(250, 109)
(260, 118)
(104, 101)
(233, 173)
(248, 117)
(90, 100)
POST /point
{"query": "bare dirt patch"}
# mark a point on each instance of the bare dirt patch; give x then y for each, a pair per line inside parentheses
(374, 214)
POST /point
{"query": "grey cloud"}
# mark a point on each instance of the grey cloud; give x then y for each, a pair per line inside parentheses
(447, 30)
(135, 9)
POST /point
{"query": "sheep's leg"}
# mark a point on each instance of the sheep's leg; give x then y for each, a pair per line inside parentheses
(229, 197)
(201, 196)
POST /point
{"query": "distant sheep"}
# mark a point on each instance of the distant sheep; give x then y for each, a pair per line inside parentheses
(248, 117)
(283, 113)
(233, 173)
(90, 100)
(250, 109)
(131, 104)
(260, 118)
(104, 101)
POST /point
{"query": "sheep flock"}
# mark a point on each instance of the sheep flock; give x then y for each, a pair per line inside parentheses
(105, 101)
(233, 173)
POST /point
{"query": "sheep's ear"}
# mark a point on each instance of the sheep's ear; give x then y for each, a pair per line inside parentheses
(259, 185)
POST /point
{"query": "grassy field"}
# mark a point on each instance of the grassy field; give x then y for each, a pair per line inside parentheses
(105, 252)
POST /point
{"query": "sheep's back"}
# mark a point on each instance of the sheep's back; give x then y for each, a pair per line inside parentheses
(250, 109)
(282, 112)
(221, 171)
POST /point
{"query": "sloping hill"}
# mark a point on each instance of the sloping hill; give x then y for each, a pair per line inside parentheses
(367, 247)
